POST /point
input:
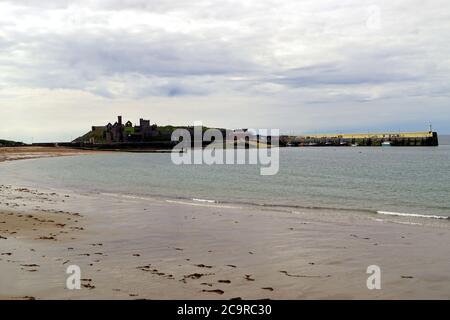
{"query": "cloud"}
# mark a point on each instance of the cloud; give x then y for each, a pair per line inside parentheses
(289, 58)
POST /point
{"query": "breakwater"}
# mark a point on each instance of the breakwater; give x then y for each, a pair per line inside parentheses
(406, 139)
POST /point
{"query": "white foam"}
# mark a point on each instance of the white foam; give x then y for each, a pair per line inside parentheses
(415, 215)
(125, 196)
(109, 194)
(204, 200)
(408, 223)
(202, 205)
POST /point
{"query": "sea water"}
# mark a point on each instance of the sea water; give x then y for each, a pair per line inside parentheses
(397, 180)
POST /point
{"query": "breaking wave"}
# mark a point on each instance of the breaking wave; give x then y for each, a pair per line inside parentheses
(415, 215)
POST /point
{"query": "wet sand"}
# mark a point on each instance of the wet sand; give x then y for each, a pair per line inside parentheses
(31, 152)
(159, 248)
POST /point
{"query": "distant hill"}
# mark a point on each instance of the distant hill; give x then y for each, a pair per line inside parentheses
(8, 143)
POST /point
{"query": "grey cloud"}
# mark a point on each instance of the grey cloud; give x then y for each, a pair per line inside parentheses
(77, 60)
(203, 8)
(343, 74)
(362, 67)
(287, 56)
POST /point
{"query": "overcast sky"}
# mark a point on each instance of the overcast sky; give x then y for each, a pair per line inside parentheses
(296, 65)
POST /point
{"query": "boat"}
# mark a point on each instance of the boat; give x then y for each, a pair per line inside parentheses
(386, 144)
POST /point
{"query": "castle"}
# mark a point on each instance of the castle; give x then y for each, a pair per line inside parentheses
(142, 135)
(119, 132)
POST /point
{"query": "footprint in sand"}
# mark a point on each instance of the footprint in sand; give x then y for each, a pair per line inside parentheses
(30, 265)
(303, 275)
(218, 291)
(224, 281)
(87, 284)
(268, 288)
(248, 277)
(203, 266)
(206, 284)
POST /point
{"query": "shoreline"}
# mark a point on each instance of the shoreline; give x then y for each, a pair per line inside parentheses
(166, 249)
(31, 152)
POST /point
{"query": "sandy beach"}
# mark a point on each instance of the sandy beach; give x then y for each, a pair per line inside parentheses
(32, 152)
(160, 248)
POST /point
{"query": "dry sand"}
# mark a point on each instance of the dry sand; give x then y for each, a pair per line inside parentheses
(159, 248)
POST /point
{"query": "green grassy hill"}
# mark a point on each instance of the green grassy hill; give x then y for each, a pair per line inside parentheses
(96, 135)
(8, 143)
(164, 134)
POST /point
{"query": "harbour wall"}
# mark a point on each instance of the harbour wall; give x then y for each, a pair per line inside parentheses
(405, 139)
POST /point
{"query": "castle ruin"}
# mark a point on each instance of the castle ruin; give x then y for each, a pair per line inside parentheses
(120, 132)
